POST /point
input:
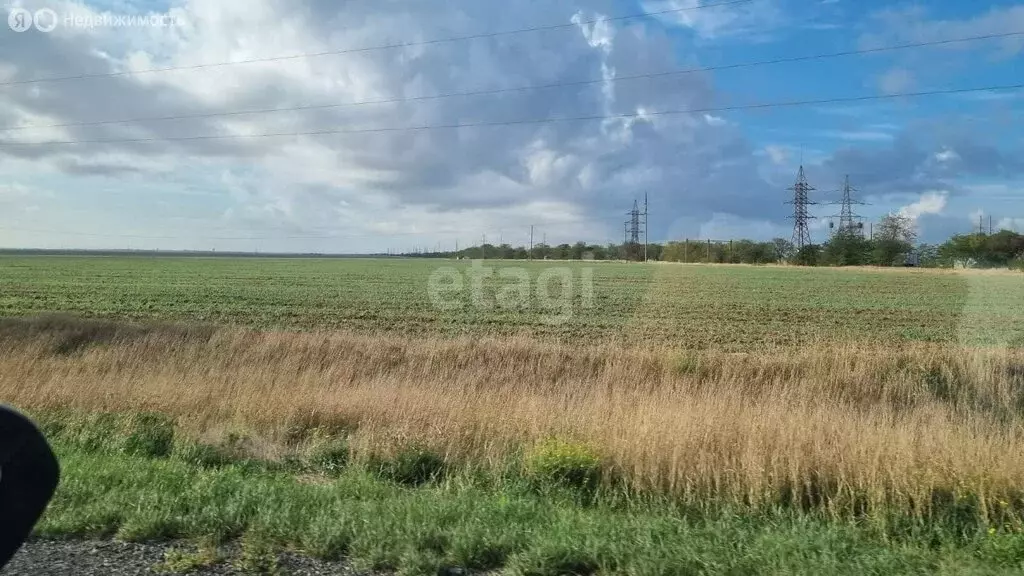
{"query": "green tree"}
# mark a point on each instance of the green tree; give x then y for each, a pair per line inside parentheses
(929, 255)
(894, 239)
(784, 249)
(847, 248)
(809, 255)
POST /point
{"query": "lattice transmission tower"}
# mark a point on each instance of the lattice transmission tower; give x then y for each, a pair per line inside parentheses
(633, 229)
(849, 223)
(801, 218)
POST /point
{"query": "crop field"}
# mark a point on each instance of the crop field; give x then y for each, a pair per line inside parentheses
(691, 306)
(542, 418)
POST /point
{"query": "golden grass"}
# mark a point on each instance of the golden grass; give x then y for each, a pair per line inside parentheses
(842, 427)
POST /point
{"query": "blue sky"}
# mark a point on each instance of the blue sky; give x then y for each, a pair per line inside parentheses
(941, 159)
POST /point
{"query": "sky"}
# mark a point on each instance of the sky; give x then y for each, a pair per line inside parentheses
(569, 124)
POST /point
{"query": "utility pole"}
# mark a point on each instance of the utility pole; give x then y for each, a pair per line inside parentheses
(646, 239)
(686, 251)
(989, 224)
(981, 224)
(531, 241)
(483, 247)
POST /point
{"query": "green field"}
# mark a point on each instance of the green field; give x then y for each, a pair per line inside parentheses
(735, 307)
(392, 447)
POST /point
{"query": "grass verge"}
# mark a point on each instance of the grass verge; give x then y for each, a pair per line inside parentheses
(480, 521)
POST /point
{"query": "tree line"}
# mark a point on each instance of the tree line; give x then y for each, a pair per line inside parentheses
(893, 243)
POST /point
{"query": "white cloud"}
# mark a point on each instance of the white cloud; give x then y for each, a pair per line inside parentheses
(859, 135)
(976, 218)
(753, 21)
(1014, 224)
(896, 80)
(713, 120)
(347, 188)
(929, 203)
(912, 24)
(946, 155)
(777, 154)
(14, 190)
(597, 30)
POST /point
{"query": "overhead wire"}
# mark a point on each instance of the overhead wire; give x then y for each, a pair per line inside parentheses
(530, 121)
(494, 91)
(450, 39)
(445, 232)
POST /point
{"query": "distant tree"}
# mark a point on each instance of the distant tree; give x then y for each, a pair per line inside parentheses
(541, 251)
(655, 251)
(895, 237)
(597, 252)
(784, 249)
(847, 248)
(898, 228)
(576, 253)
(613, 251)
(672, 252)
(1002, 247)
(988, 250)
(809, 255)
(929, 256)
(750, 252)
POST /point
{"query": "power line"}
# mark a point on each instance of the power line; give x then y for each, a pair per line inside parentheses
(446, 232)
(766, 105)
(523, 88)
(447, 40)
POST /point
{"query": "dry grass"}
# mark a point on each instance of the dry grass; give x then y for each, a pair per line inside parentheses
(848, 429)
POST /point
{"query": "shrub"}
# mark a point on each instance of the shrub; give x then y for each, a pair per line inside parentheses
(331, 457)
(687, 365)
(413, 466)
(150, 435)
(564, 463)
(258, 555)
(202, 455)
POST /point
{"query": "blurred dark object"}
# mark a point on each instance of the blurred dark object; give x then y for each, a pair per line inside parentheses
(28, 477)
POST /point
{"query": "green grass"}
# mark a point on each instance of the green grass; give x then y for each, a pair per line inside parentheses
(696, 306)
(480, 523)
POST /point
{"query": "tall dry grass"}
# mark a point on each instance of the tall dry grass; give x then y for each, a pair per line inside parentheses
(848, 428)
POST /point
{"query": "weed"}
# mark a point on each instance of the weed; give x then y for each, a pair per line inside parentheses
(411, 466)
(564, 463)
(178, 560)
(258, 556)
(150, 435)
(330, 457)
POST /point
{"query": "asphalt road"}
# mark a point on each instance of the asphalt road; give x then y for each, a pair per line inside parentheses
(110, 558)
